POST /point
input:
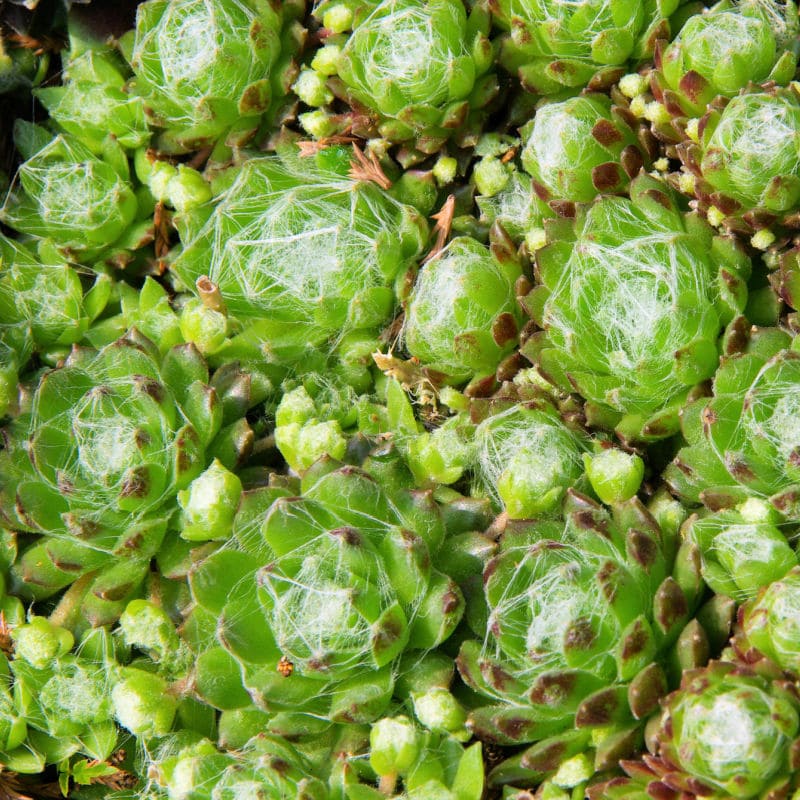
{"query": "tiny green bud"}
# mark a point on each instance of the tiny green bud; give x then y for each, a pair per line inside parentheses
(444, 170)
(574, 771)
(161, 174)
(453, 399)
(686, 183)
(187, 188)
(762, 239)
(757, 510)
(295, 406)
(338, 19)
(311, 88)
(614, 474)
(209, 504)
(715, 216)
(535, 239)
(638, 106)
(40, 642)
(656, 113)
(146, 626)
(325, 62)
(491, 176)
(318, 124)
(632, 84)
(203, 326)
(394, 746)
(668, 512)
(438, 710)
(142, 703)
(693, 129)
(661, 165)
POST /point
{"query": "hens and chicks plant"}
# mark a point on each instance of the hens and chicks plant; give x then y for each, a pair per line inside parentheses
(400, 399)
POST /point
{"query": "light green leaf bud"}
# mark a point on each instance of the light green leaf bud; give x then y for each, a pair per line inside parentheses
(394, 745)
(614, 474)
(209, 504)
(491, 176)
(205, 327)
(438, 710)
(143, 704)
(40, 642)
(311, 88)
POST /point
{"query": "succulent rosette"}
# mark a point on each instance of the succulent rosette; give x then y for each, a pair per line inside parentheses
(43, 309)
(462, 316)
(82, 202)
(581, 610)
(727, 732)
(427, 764)
(304, 258)
(578, 148)
(557, 46)
(525, 460)
(633, 299)
(326, 593)
(267, 766)
(95, 468)
(722, 50)
(745, 165)
(421, 68)
(768, 624)
(93, 102)
(208, 70)
(741, 442)
(740, 551)
(57, 701)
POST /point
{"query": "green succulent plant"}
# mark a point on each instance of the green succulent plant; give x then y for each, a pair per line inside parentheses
(327, 591)
(96, 466)
(633, 299)
(741, 441)
(420, 67)
(579, 148)
(556, 47)
(768, 624)
(430, 766)
(462, 315)
(82, 202)
(745, 164)
(722, 50)
(740, 551)
(209, 70)
(302, 256)
(581, 611)
(56, 700)
(525, 459)
(93, 102)
(727, 732)
(266, 766)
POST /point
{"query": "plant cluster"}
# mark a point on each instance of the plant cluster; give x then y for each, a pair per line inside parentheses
(400, 400)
